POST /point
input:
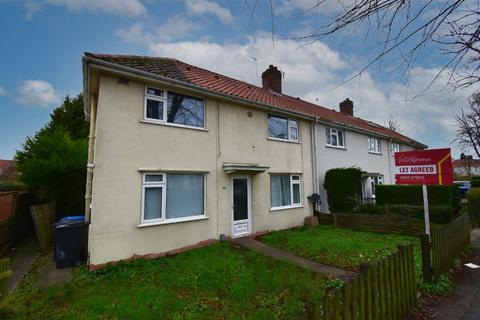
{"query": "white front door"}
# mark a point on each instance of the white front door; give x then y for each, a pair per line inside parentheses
(241, 206)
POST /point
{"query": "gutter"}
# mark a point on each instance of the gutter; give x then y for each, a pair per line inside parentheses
(90, 62)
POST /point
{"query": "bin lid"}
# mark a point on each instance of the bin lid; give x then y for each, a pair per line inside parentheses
(67, 224)
(72, 218)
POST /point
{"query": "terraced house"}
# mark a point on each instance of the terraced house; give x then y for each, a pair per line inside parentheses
(180, 156)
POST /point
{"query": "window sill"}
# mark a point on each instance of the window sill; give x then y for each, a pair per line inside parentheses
(335, 147)
(285, 208)
(162, 123)
(171, 221)
(377, 153)
(283, 140)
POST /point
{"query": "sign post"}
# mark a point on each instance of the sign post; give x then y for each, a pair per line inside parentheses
(425, 167)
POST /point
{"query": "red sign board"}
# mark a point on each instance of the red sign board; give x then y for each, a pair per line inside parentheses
(432, 166)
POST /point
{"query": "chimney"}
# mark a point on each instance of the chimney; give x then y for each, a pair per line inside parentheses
(272, 79)
(346, 107)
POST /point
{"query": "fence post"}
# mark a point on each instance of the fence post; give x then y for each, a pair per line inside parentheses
(335, 219)
(387, 217)
(365, 270)
(426, 258)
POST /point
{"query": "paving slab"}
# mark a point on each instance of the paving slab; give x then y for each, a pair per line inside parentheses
(49, 275)
(279, 254)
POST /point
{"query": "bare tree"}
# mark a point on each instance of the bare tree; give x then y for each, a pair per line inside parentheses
(393, 124)
(467, 161)
(402, 28)
(468, 125)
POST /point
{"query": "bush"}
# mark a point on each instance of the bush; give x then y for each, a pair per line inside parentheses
(413, 195)
(438, 214)
(475, 182)
(344, 188)
(473, 196)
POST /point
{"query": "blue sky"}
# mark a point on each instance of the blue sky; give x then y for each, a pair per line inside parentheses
(43, 42)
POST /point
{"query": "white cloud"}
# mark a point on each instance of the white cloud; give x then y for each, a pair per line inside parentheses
(201, 7)
(174, 28)
(128, 8)
(36, 93)
(2, 91)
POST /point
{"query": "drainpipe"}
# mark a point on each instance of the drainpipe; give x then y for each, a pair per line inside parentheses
(90, 161)
(313, 138)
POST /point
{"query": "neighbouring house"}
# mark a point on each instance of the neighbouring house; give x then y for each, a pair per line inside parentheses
(180, 156)
(8, 171)
(466, 166)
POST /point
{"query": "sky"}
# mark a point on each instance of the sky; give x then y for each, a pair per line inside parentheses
(42, 43)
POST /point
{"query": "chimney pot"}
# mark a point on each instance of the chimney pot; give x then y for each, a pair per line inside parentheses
(346, 107)
(272, 79)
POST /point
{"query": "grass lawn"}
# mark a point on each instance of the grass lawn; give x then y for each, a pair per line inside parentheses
(216, 282)
(340, 247)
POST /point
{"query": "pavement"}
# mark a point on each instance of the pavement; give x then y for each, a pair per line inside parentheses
(464, 301)
(278, 254)
(49, 275)
(22, 256)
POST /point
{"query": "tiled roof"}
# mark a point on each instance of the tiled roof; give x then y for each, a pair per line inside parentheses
(178, 70)
(461, 163)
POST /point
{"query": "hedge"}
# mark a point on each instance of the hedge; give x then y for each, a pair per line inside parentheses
(413, 195)
(344, 188)
(473, 196)
(441, 214)
(475, 182)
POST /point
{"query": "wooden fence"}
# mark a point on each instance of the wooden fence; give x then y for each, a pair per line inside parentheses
(388, 222)
(447, 243)
(43, 218)
(384, 290)
(5, 274)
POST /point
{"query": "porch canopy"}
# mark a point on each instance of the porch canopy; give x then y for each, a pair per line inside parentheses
(243, 168)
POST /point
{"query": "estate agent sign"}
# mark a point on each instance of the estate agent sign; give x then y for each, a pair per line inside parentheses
(433, 167)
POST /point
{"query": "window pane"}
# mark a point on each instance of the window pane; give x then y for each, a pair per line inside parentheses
(185, 110)
(296, 193)
(340, 138)
(153, 178)
(240, 199)
(296, 178)
(280, 190)
(154, 92)
(153, 203)
(293, 133)
(277, 127)
(185, 195)
(334, 140)
(293, 123)
(327, 132)
(154, 109)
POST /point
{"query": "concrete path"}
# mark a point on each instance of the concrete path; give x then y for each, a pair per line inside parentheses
(464, 302)
(290, 257)
(49, 275)
(22, 256)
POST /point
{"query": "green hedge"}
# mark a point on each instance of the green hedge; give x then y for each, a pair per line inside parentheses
(344, 188)
(475, 182)
(413, 195)
(441, 214)
(473, 197)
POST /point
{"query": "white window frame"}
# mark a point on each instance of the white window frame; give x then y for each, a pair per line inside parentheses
(334, 132)
(396, 147)
(163, 185)
(376, 143)
(164, 99)
(291, 123)
(292, 182)
(155, 98)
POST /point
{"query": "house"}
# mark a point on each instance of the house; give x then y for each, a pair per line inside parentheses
(180, 156)
(466, 166)
(8, 171)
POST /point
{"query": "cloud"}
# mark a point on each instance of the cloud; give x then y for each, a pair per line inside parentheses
(36, 93)
(2, 91)
(175, 27)
(201, 7)
(128, 8)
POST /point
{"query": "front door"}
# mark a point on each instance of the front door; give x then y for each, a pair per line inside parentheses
(241, 206)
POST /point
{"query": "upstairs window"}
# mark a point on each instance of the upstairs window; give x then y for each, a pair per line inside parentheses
(335, 138)
(170, 107)
(396, 148)
(282, 128)
(374, 145)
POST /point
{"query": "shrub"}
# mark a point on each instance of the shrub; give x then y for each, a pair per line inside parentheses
(413, 195)
(439, 214)
(343, 187)
(475, 182)
(473, 196)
